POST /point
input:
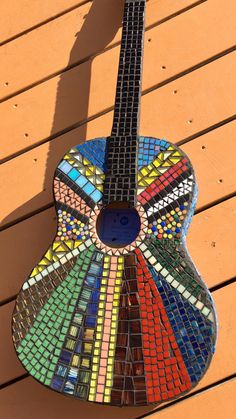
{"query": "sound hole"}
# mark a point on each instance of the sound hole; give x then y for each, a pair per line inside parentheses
(118, 224)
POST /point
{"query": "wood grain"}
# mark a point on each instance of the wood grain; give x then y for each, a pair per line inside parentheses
(206, 153)
(96, 26)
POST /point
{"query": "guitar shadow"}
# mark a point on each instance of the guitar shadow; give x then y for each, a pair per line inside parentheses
(73, 94)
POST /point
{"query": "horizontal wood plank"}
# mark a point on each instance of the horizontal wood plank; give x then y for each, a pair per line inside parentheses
(215, 403)
(95, 26)
(17, 16)
(223, 363)
(207, 154)
(27, 399)
(203, 98)
(210, 244)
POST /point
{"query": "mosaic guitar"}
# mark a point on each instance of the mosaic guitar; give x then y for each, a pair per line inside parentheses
(115, 312)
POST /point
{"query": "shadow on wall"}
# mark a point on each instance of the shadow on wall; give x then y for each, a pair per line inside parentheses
(99, 28)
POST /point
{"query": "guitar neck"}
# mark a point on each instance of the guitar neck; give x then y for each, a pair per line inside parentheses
(128, 90)
(121, 154)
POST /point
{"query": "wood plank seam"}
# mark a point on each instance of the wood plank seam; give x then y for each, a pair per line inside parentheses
(206, 130)
(214, 288)
(92, 56)
(51, 204)
(44, 22)
(223, 197)
(194, 393)
(144, 92)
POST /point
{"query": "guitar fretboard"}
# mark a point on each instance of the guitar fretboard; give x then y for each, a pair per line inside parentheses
(128, 91)
(120, 182)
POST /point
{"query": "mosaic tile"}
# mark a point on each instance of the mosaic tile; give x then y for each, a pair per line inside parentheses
(119, 318)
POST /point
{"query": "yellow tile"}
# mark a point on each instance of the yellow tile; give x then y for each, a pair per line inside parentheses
(94, 376)
(75, 360)
(96, 351)
(144, 171)
(88, 347)
(106, 399)
(115, 310)
(91, 398)
(109, 368)
(109, 382)
(109, 376)
(107, 391)
(156, 163)
(105, 273)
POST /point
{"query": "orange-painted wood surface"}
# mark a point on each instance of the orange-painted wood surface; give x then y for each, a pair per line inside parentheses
(58, 78)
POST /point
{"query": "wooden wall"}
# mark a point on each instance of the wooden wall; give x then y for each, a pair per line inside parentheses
(58, 77)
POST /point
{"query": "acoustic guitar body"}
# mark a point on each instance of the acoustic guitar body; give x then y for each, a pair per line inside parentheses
(115, 312)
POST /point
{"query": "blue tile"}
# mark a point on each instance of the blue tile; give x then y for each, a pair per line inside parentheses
(73, 174)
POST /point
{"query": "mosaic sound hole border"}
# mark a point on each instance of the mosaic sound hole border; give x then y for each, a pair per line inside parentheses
(129, 326)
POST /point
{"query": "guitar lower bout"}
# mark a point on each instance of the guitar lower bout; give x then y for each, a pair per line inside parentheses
(115, 312)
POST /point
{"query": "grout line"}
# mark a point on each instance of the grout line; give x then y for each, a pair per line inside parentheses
(92, 56)
(111, 108)
(44, 22)
(192, 394)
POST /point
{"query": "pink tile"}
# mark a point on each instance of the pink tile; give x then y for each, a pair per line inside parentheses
(107, 321)
(99, 397)
(101, 379)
